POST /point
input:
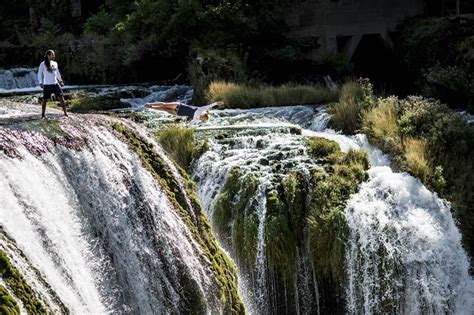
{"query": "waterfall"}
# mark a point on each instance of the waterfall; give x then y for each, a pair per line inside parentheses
(92, 230)
(98, 227)
(403, 253)
(18, 78)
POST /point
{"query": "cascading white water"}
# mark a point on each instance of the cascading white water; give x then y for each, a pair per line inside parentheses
(404, 252)
(18, 78)
(160, 93)
(262, 291)
(98, 227)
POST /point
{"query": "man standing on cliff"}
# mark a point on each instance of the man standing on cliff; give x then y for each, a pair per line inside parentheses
(50, 81)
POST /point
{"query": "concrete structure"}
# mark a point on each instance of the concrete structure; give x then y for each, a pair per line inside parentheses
(341, 24)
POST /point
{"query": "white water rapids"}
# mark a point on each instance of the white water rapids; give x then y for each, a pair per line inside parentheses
(404, 252)
(99, 228)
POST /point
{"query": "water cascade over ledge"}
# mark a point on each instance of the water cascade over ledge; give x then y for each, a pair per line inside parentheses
(102, 232)
(401, 253)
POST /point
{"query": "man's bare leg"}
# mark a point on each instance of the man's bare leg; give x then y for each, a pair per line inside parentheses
(63, 104)
(170, 108)
(43, 108)
(162, 106)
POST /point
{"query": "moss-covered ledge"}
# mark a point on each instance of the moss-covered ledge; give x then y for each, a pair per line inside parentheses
(18, 286)
(8, 305)
(331, 188)
(224, 270)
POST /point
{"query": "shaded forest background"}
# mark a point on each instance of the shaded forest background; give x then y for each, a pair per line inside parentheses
(197, 41)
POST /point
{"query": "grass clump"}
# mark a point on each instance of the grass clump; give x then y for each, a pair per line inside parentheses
(354, 99)
(17, 284)
(415, 151)
(381, 122)
(244, 96)
(8, 305)
(179, 143)
(186, 202)
(95, 104)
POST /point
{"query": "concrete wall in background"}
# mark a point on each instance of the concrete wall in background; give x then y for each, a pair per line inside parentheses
(341, 24)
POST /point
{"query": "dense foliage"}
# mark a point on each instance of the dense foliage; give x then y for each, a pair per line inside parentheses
(439, 55)
(145, 40)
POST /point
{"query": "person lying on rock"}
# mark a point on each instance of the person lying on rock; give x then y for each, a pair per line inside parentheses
(50, 81)
(193, 113)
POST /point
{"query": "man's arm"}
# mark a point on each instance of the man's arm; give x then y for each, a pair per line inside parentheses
(60, 79)
(40, 74)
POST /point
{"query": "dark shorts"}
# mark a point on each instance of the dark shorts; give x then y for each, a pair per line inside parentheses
(50, 89)
(186, 110)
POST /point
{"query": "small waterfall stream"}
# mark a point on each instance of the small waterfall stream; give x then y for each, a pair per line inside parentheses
(262, 295)
(404, 251)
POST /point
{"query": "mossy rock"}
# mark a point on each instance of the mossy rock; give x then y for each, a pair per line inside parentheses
(280, 237)
(8, 305)
(95, 104)
(320, 147)
(235, 219)
(17, 284)
(50, 128)
(341, 177)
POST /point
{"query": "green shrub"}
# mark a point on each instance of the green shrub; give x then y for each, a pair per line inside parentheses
(438, 53)
(354, 99)
(245, 96)
(94, 104)
(321, 147)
